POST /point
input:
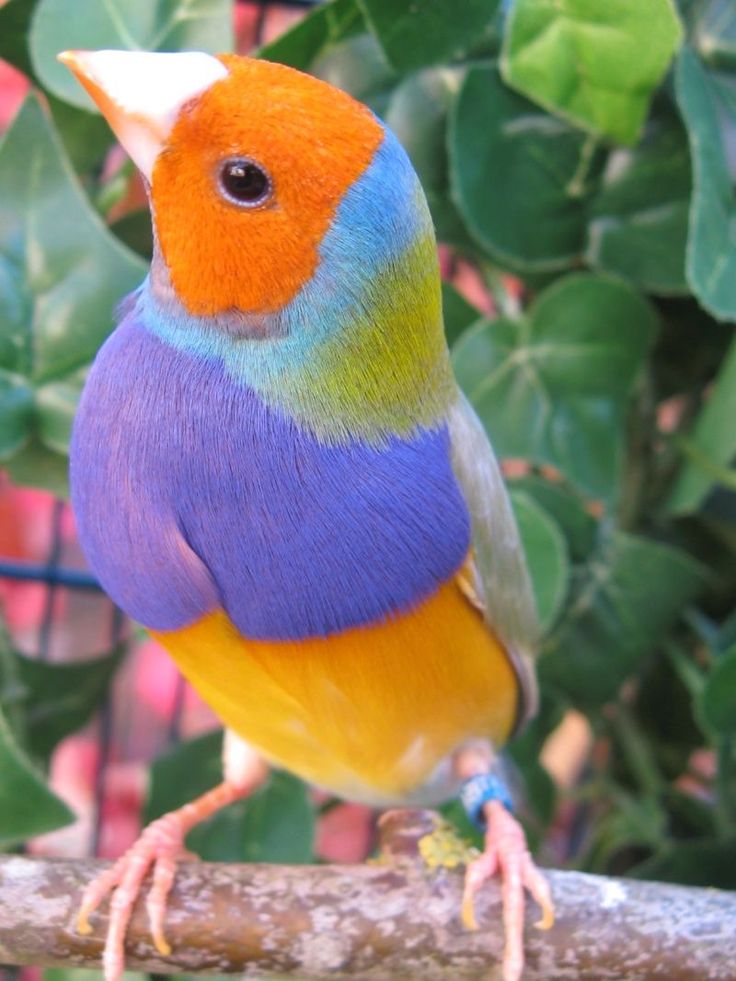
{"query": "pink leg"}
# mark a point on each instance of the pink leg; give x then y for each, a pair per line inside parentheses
(160, 845)
(505, 852)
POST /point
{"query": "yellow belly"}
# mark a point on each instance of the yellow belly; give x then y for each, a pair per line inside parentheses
(370, 712)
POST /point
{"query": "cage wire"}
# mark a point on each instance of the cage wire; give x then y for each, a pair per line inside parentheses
(70, 592)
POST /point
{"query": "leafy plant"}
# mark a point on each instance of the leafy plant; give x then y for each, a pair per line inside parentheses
(586, 150)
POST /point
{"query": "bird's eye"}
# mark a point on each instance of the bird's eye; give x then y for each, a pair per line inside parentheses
(244, 182)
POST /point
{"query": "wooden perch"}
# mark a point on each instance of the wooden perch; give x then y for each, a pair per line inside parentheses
(396, 918)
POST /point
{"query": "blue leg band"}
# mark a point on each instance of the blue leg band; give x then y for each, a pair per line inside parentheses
(480, 789)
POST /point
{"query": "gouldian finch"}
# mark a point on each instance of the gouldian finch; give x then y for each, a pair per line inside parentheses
(274, 471)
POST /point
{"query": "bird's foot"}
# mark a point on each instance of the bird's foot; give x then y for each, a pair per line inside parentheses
(159, 848)
(506, 853)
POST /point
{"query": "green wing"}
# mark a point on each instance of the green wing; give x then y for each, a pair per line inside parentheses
(502, 579)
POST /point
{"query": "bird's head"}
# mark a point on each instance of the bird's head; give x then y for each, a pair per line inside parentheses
(247, 162)
(293, 239)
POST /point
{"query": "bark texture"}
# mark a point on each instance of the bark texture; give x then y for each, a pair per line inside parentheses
(396, 918)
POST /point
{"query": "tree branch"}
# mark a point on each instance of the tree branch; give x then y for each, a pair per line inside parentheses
(396, 918)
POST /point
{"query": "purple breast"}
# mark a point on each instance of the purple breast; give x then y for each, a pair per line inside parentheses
(191, 494)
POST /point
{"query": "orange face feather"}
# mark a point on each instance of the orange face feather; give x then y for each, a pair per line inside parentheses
(258, 260)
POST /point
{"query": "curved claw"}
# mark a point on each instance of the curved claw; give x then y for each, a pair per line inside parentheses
(159, 846)
(506, 852)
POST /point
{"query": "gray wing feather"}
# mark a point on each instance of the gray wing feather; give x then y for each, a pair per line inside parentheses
(503, 581)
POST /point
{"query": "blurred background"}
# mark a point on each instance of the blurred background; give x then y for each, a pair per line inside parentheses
(581, 181)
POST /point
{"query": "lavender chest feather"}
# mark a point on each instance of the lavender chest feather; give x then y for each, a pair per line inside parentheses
(192, 494)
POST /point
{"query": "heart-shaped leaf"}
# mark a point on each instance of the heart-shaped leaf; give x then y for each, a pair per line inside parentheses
(520, 177)
(633, 592)
(596, 64)
(553, 385)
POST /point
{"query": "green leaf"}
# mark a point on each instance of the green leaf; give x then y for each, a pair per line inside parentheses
(322, 27)
(718, 704)
(713, 442)
(276, 824)
(578, 526)
(86, 136)
(711, 253)
(15, 19)
(639, 219)
(59, 698)
(170, 25)
(595, 64)
(136, 231)
(416, 33)
(546, 556)
(633, 592)
(16, 413)
(56, 406)
(457, 312)
(357, 66)
(714, 33)
(27, 807)
(519, 176)
(37, 466)
(68, 270)
(553, 386)
(418, 114)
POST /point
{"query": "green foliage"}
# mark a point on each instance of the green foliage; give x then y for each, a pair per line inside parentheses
(586, 148)
(27, 807)
(520, 177)
(61, 274)
(546, 552)
(553, 385)
(170, 25)
(40, 703)
(594, 63)
(276, 824)
(413, 35)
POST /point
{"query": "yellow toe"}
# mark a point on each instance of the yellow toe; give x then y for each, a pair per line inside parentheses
(467, 913)
(548, 917)
(83, 926)
(162, 945)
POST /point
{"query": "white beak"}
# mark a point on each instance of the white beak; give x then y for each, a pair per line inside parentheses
(141, 93)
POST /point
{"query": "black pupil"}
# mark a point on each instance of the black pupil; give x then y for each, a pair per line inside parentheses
(244, 181)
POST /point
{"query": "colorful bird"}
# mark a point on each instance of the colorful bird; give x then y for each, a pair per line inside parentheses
(274, 470)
